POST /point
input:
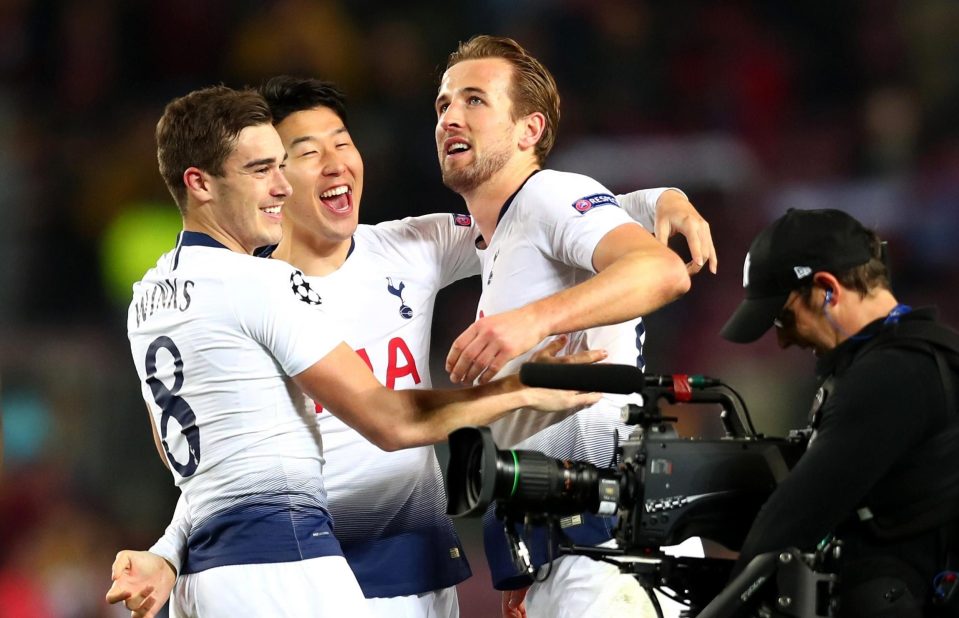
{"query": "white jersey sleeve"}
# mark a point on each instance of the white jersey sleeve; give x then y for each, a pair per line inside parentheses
(641, 205)
(279, 312)
(444, 243)
(172, 546)
(570, 215)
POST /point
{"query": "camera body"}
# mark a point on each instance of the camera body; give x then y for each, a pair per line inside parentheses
(677, 488)
(663, 488)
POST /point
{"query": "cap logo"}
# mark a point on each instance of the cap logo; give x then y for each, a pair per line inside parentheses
(802, 271)
(746, 272)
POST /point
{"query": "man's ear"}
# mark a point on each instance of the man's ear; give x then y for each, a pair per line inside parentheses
(533, 126)
(197, 184)
(829, 283)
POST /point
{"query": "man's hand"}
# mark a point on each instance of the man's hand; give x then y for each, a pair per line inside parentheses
(491, 342)
(676, 215)
(514, 603)
(558, 400)
(549, 353)
(143, 581)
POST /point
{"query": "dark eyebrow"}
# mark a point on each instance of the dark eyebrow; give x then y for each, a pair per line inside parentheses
(260, 162)
(300, 140)
(467, 90)
(312, 138)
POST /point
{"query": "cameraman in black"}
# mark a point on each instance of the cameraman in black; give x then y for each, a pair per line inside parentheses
(881, 472)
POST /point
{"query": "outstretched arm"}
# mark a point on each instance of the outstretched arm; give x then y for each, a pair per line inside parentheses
(392, 420)
(624, 256)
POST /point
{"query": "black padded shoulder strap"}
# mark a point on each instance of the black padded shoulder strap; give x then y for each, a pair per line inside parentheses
(938, 503)
(944, 340)
(924, 330)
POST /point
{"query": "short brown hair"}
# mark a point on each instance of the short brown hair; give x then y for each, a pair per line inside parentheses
(533, 88)
(201, 129)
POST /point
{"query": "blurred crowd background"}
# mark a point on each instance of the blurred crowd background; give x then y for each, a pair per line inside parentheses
(751, 107)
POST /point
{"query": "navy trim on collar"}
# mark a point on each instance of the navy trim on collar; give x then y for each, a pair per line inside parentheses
(267, 251)
(199, 239)
(509, 200)
(194, 239)
(506, 205)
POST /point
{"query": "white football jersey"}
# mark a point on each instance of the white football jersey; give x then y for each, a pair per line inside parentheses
(389, 509)
(214, 336)
(543, 244)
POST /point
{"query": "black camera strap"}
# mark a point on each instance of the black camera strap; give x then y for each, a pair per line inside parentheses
(938, 505)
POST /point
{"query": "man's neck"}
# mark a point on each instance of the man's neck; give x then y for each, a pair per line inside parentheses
(486, 201)
(876, 305)
(216, 232)
(314, 256)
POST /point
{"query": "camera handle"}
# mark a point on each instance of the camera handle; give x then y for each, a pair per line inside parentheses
(517, 547)
(680, 389)
(519, 551)
(800, 591)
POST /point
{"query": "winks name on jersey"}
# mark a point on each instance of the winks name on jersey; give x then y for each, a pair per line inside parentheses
(165, 294)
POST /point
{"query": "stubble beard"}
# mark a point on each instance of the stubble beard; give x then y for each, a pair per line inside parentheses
(468, 178)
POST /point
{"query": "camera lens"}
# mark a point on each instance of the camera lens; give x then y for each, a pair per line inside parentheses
(531, 481)
(474, 474)
(522, 481)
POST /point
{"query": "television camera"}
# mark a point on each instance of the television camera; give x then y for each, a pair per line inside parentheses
(663, 489)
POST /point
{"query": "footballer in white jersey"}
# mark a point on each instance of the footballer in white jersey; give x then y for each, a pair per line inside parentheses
(389, 508)
(560, 257)
(543, 244)
(242, 444)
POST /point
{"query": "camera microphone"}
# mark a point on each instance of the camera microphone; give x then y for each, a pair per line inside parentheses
(620, 379)
(605, 378)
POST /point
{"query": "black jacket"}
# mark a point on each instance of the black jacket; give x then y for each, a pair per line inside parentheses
(883, 407)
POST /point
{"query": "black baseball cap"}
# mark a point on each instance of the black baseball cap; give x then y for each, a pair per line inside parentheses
(784, 257)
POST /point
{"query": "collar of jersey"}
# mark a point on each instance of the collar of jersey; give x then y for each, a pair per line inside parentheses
(509, 202)
(199, 239)
(267, 251)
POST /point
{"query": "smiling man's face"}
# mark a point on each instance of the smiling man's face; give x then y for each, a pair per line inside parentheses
(326, 172)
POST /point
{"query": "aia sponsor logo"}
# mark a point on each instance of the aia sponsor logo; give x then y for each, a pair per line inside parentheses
(400, 365)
